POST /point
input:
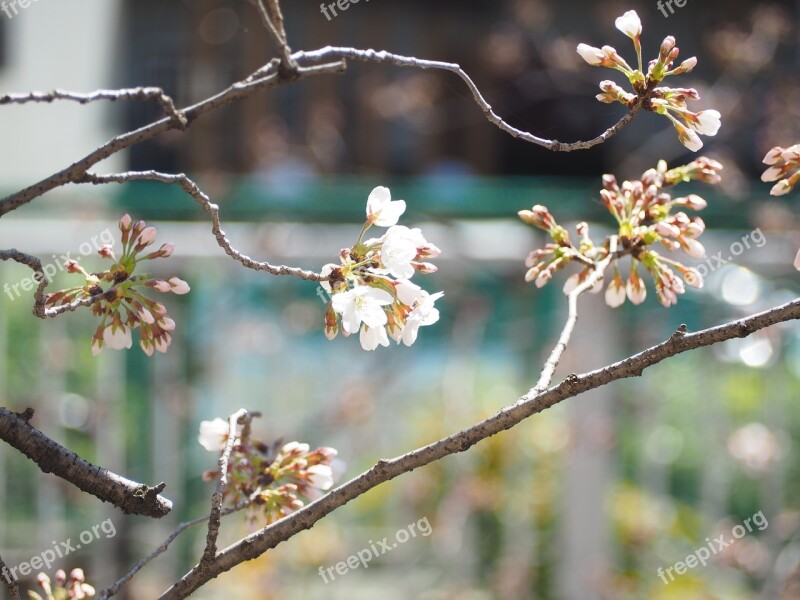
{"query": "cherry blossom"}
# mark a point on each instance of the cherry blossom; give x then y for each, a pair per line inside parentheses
(647, 91)
(370, 292)
(214, 434)
(382, 210)
(646, 215)
(362, 304)
(122, 305)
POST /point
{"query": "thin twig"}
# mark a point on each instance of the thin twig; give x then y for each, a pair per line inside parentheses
(139, 93)
(235, 92)
(272, 18)
(240, 417)
(193, 190)
(39, 309)
(330, 52)
(125, 579)
(269, 537)
(550, 365)
(11, 581)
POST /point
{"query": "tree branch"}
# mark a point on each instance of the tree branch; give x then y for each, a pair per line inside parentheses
(332, 52)
(233, 93)
(114, 589)
(550, 365)
(139, 93)
(11, 583)
(271, 76)
(269, 537)
(52, 457)
(35, 264)
(242, 417)
(191, 188)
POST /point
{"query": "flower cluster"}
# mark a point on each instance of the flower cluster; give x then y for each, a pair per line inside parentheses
(371, 291)
(73, 588)
(274, 477)
(119, 293)
(670, 102)
(644, 214)
(783, 167)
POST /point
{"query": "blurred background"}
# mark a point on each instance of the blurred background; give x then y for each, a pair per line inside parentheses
(586, 501)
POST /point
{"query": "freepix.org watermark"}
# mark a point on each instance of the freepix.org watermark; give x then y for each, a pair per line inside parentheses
(11, 7)
(755, 238)
(376, 549)
(664, 5)
(47, 558)
(712, 547)
(330, 9)
(58, 265)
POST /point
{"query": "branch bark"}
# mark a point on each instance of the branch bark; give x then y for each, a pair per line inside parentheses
(114, 589)
(52, 457)
(191, 188)
(269, 537)
(11, 583)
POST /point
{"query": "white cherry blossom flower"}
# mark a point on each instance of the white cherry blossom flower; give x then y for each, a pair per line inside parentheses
(382, 210)
(320, 476)
(213, 434)
(424, 313)
(372, 337)
(361, 304)
(629, 24)
(117, 337)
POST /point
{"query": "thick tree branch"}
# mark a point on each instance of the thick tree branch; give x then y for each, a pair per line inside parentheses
(191, 188)
(52, 457)
(269, 537)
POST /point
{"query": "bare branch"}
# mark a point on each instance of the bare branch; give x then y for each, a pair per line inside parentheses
(274, 76)
(272, 18)
(11, 582)
(269, 537)
(240, 417)
(114, 589)
(35, 264)
(332, 52)
(235, 92)
(191, 188)
(52, 457)
(139, 93)
(550, 365)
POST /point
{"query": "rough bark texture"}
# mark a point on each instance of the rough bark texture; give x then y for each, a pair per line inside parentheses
(52, 457)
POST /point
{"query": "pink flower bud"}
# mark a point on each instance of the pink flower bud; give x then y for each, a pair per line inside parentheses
(72, 266)
(147, 237)
(107, 251)
(179, 286)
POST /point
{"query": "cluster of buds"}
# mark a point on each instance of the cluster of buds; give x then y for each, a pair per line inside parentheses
(670, 102)
(119, 296)
(783, 167)
(644, 214)
(73, 588)
(276, 478)
(371, 291)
